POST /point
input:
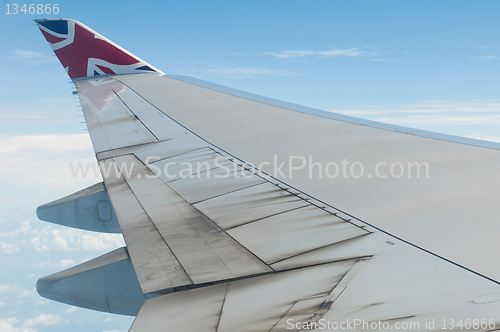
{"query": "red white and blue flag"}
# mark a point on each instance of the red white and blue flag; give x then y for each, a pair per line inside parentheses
(83, 52)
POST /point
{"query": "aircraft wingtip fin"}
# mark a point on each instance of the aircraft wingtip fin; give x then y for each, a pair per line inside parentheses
(86, 53)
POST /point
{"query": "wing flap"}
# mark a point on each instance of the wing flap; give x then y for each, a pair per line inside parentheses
(154, 262)
(193, 310)
(235, 306)
(214, 183)
(291, 235)
(247, 205)
(203, 250)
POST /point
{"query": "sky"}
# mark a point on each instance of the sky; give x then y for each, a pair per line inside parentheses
(431, 65)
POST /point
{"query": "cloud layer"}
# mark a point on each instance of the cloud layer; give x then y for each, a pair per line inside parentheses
(248, 71)
(45, 159)
(16, 325)
(30, 57)
(474, 119)
(290, 54)
(56, 238)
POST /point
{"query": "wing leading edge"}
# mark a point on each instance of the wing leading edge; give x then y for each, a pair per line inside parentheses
(227, 248)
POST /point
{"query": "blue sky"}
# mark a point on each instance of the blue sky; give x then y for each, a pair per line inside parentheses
(427, 64)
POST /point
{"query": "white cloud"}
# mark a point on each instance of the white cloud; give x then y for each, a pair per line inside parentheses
(249, 71)
(66, 262)
(24, 229)
(42, 320)
(37, 245)
(100, 241)
(43, 265)
(384, 60)
(71, 239)
(41, 301)
(40, 111)
(17, 239)
(8, 248)
(59, 241)
(46, 159)
(476, 119)
(492, 119)
(9, 325)
(49, 143)
(426, 107)
(26, 293)
(71, 309)
(20, 292)
(14, 146)
(289, 54)
(57, 238)
(492, 138)
(7, 288)
(31, 57)
(486, 57)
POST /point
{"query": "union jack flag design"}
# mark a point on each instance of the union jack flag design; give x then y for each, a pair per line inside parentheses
(84, 53)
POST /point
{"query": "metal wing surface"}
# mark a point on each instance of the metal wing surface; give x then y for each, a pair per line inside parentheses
(234, 221)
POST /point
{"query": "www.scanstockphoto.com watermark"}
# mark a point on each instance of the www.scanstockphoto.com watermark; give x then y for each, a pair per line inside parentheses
(365, 325)
(222, 167)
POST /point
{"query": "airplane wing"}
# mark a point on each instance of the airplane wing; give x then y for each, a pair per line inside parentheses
(243, 213)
